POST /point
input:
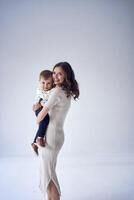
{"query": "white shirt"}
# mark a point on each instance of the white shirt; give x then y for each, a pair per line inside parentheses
(42, 94)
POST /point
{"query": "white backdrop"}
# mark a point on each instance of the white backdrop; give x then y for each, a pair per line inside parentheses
(96, 38)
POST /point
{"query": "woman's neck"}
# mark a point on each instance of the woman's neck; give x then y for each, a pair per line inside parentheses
(58, 86)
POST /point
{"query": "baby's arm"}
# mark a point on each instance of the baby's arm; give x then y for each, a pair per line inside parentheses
(38, 99)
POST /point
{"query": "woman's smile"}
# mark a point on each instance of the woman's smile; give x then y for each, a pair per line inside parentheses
(58, 76)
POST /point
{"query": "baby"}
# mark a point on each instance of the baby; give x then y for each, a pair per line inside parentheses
(42, 94)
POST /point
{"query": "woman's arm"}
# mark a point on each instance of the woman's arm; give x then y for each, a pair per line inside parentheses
(42, 114)
(36, 106)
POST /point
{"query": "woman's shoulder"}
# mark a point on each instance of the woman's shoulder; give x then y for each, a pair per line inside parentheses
(58, 91)
(55, 90)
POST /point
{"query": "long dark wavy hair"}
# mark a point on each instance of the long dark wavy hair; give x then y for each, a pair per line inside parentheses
(70, 85)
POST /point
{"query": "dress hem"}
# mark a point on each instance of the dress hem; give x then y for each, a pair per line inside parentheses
(45, 191)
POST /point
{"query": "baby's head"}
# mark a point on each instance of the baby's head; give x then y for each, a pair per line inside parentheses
(46, 80)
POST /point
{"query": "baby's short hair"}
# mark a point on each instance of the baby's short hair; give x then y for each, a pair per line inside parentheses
(45, 74)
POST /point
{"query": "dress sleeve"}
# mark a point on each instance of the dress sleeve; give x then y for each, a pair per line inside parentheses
(53, 99)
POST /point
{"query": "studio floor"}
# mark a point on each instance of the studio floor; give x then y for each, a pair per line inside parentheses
(80, 178)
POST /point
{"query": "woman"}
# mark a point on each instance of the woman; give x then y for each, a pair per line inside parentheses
(57, 105)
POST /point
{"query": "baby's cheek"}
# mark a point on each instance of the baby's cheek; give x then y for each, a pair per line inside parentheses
(42, 87)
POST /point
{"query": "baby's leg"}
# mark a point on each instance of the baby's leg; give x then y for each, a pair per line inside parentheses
(36, 113)
(42, 131)
(34, 145)
(38, 110)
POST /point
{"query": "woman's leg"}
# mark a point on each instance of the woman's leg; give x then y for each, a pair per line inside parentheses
(49, 194)
(52, 192)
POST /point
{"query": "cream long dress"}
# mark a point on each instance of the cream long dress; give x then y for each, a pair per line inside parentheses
(58, 105)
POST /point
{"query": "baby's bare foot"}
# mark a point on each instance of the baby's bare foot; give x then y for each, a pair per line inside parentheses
(35, 148)
(41, 141)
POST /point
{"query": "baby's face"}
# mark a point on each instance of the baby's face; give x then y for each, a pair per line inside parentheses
(46, 84)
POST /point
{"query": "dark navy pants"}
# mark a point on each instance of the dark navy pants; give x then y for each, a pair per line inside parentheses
(42, 125)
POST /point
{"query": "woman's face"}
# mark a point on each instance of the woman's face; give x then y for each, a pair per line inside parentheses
(58, 76)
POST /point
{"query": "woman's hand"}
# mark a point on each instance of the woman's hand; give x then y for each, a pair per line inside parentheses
(42, 103)
(36, 106)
